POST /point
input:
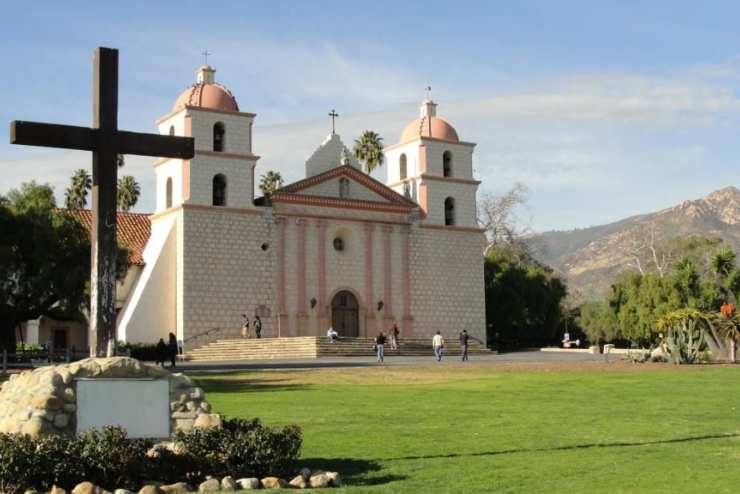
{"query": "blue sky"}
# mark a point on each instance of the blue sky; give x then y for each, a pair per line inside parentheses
(602, 110)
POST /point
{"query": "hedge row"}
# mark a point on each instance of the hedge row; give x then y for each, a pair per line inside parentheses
(108, 458)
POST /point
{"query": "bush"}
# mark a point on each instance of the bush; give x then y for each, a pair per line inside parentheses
(243, 448)
(140, 351)
(110, 459)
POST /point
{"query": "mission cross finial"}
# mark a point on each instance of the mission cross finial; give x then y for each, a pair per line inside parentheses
(205, 55)
(429, 91)
(106, 142)
(333, 115)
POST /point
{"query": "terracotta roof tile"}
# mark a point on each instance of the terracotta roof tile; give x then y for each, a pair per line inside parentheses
(132, 229)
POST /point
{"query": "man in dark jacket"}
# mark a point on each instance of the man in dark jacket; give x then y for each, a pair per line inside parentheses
(464, 337)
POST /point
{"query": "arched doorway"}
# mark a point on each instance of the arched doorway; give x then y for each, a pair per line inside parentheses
(345, 314)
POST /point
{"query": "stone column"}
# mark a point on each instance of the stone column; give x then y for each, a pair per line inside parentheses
(370, 311)
(301, 303)
(408, 320)
(282, 316)
(322, 308)
(387, 272)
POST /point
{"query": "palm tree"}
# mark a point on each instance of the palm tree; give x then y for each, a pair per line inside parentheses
(723, 262)
(128, 192)
(270, 182)
(369, 149)
(75, 197)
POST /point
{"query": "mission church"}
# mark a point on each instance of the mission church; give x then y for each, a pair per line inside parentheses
(338, 248)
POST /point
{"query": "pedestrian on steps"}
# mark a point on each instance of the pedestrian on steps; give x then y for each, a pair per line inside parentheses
(438, 343)
(258, 326)
(394, 337)
(380, 346)
(464, 337)
(245, 327)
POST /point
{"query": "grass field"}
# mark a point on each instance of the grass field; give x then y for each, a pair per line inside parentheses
(569, 428)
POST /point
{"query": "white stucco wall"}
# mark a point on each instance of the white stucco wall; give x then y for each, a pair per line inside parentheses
(330, 188)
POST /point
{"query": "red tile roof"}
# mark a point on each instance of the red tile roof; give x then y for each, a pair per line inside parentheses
(132, 230)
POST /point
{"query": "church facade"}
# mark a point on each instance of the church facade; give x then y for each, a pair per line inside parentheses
(338, 248)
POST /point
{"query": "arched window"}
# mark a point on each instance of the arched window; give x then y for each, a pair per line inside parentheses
(219, 137)
(172, 130)
(168, 193)
(343, 188)
(447, 164)
(402, 166)
(219, 190)
(449, 211)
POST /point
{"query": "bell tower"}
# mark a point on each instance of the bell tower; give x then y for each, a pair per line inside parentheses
(222, 171)
(433, 167)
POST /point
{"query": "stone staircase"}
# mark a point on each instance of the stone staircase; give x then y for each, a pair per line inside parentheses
(305, 347)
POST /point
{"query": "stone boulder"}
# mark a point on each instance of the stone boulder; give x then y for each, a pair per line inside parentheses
(150, 489)
(210, 485)
(319, 480)
(249, 484)
(176, 488)
(228, 484)
(298, 482)
(88, 488)
(273, 483)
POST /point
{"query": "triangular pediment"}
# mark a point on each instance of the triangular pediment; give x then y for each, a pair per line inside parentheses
(358, 187)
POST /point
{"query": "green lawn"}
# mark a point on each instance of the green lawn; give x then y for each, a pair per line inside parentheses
(588, 428)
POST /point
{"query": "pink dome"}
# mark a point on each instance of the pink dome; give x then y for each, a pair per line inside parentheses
(434, 127)
(207, 95)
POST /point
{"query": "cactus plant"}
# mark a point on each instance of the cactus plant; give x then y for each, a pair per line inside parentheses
(684, 335)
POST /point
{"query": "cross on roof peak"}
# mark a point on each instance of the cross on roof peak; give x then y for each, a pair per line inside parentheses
(333, 114)
(205, 54)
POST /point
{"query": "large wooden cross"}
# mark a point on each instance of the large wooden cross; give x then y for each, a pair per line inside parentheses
(106, 142)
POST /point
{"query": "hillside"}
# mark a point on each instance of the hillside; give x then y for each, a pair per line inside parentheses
(590, 257)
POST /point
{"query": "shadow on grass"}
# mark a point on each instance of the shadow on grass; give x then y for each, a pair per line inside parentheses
(248, 385)
(354, 472)
(571, 447)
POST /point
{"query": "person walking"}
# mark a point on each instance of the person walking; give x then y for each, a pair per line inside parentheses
(464, 337)
(394, 337)
(258, 326)
(161, 352)
(245, 327)
(438, 343)
(172, 349)
(380, 346)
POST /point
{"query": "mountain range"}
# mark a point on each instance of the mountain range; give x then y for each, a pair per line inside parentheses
(589, 258)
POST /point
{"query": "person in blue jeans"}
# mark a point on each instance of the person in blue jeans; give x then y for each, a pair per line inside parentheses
(438, 343)
(380, 346)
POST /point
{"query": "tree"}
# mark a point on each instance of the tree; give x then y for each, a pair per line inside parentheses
(727, 324)
(75, 196)
(44, 261)
(270, 182)
(599, 322)
(523, 298)
(128, 192)
(497, 215)
(368, 148)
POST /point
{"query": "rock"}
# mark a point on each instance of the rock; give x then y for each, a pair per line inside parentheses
(69, 395)
(184, 415)
(298, 482)
(334, 479)
(47, 402)
(47, 415)
(176, 488)
(176, 406)
(61, 421)
(70, 407)
(249, 484)
(228, 484)
(210, 485)
(319, 480)
(149, 489)
(57, 490)
(34, 427)
(122, 491)
(306, 473)
(184, 425)
(197, 394)
(205, 406)
(31, 491)
(191, 406)
(88, 488)
(208, 421)
(273, 483)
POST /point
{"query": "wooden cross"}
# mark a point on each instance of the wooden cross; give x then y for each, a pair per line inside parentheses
(106, 142)
(333, 115)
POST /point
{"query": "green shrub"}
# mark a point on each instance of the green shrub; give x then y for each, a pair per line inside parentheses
(243, 448)
(110, 459)
(140, 351)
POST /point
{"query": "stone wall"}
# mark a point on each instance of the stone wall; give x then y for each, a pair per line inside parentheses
(447, 287)
(44, 400)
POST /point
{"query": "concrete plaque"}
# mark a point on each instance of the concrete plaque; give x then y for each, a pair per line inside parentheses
(141, 406)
